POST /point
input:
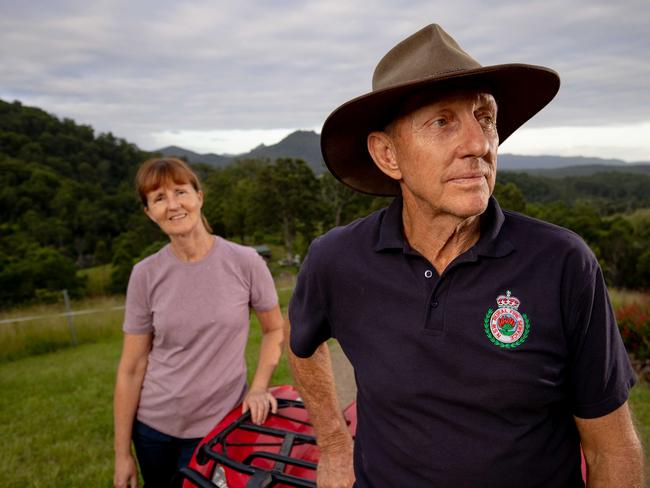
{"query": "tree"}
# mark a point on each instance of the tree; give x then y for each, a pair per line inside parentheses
(510, 196)
(288, 200)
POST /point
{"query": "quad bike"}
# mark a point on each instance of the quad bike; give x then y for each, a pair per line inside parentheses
(281, 453)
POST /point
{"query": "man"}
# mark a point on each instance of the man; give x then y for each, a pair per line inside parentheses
(483, 342)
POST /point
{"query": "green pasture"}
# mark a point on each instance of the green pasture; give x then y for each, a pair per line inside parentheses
(56, 401)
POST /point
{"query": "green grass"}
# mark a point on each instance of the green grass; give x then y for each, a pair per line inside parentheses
(56, 414)
(56, 417)
(47, 334)
(56, 408)
(97, 279)
(640, 402)
(621, 297)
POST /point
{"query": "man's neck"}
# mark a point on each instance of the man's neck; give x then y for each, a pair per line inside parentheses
(439, 237)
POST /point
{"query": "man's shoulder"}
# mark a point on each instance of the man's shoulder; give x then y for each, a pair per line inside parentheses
(532, 232)
(360, 232)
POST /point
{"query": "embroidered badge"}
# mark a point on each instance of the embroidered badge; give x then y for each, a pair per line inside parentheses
(505, 326)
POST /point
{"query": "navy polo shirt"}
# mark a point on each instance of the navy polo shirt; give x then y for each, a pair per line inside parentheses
(470, 378)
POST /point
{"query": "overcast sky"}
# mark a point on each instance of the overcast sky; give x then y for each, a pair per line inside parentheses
(217, 76)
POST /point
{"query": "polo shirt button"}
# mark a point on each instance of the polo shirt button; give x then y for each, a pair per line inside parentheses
(434, 304)
(428, 273)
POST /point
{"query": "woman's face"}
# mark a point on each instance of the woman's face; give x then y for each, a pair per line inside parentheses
(176, 208)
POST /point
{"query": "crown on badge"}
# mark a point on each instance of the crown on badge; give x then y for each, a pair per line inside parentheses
(507, 301)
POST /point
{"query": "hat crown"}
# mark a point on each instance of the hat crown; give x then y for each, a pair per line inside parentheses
(428, 53)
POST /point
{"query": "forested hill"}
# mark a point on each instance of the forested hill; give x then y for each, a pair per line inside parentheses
(65, 195)
(67, 202)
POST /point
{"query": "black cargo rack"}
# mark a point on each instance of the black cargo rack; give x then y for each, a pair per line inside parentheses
(260, 477)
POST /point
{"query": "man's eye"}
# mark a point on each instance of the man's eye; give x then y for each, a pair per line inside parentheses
(488, 121)
(439, 122)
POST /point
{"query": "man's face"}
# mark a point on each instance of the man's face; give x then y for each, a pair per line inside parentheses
(445, 152)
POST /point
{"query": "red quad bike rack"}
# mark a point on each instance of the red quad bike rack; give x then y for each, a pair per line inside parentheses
(279, 454)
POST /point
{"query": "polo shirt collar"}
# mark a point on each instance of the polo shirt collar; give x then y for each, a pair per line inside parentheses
(390, 234)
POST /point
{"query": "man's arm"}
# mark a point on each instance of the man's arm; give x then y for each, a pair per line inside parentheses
(612, 450)
(314, 379)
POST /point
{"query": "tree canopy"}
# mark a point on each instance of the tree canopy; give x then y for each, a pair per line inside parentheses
(67, 202)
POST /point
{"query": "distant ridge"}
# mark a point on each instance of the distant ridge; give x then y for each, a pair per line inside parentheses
(301, 144)
(193, 157)
(305, 145)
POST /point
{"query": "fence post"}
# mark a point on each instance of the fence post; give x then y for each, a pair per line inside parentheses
(68, 314)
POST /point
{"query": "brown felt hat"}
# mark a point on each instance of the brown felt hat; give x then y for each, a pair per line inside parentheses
(429, 59)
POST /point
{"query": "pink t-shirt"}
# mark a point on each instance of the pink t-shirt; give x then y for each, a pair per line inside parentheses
(199, 315)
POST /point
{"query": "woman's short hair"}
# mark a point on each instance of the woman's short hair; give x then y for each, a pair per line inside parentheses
(158, 172)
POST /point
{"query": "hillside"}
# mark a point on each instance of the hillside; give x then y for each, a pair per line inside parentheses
(586, 170)
(217, 160)
(67, 202)
(301, 144)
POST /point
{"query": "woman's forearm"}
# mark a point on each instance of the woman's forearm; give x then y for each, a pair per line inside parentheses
(130, 376)
(270, 353)
(126, 399)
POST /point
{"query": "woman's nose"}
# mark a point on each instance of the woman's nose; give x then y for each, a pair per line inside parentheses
(173, 202)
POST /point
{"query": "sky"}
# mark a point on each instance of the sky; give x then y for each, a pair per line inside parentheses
(223, 77)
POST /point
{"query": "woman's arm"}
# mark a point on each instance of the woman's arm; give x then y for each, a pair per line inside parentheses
(130, 374)
(258, 399)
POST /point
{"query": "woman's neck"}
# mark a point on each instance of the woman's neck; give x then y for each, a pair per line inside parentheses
(192, 247)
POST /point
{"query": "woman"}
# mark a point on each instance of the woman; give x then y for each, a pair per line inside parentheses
(185, 330)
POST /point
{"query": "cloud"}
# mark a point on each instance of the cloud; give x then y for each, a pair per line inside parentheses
(141, 69)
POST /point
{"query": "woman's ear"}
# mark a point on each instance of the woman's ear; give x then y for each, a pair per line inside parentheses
(148, 213)
(382, 151)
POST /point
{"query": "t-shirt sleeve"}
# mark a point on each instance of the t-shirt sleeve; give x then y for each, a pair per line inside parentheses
(138, 316)
(263, 296)
(601, 375)
(310, 326)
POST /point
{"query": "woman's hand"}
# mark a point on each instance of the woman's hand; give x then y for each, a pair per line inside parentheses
(126, 474)
(259, 401)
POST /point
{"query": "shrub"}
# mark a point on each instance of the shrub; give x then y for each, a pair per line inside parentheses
(634, 324)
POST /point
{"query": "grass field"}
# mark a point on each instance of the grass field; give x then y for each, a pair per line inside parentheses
(56, 420)
(56, 407)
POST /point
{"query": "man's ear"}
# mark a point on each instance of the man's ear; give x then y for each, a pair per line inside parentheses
(382, 151)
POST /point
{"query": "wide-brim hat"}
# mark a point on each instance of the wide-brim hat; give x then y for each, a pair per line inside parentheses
(429, 60)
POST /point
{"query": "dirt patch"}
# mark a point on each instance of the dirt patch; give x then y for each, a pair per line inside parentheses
(346, 387)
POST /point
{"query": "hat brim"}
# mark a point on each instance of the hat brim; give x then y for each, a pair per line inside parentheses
(520, 90)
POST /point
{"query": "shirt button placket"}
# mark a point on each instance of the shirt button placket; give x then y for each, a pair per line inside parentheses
(434, 317)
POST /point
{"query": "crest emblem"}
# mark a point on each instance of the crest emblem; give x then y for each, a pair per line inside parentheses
(505, 326)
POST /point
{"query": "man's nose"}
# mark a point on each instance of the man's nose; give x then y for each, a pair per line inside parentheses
(475, 140)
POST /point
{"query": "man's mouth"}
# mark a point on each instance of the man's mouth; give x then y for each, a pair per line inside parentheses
(467, 178)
